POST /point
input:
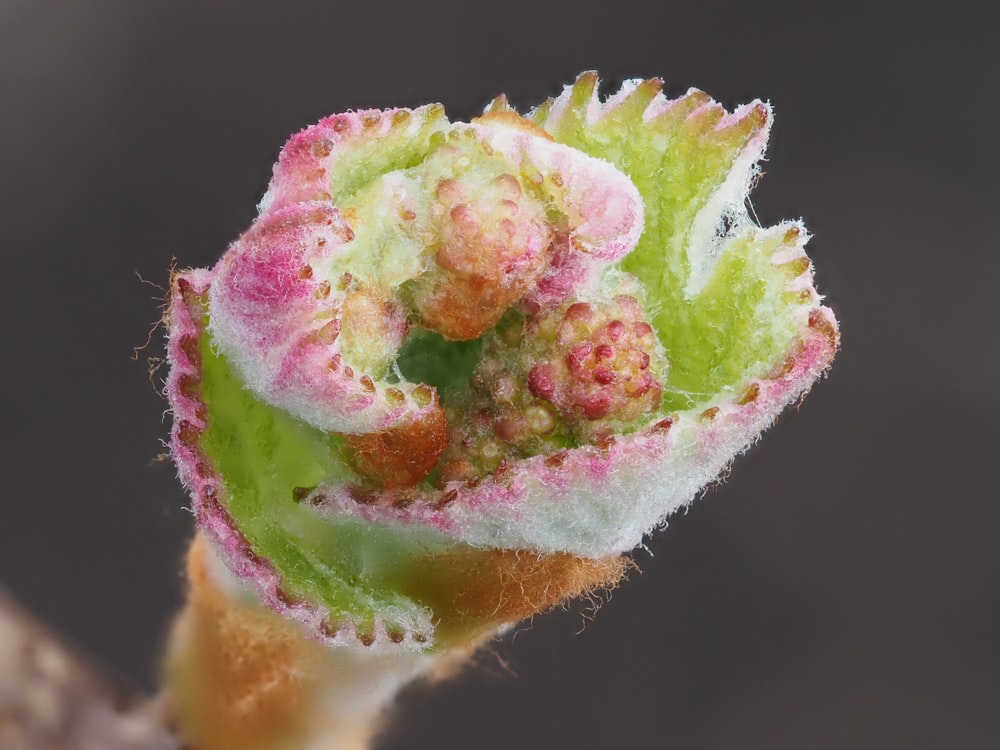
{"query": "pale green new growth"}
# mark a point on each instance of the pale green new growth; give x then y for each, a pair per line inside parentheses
(736, 326)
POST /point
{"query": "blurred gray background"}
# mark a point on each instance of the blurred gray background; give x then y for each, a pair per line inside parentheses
(839, 590)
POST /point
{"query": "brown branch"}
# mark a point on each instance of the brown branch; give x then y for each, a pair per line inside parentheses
(53, 698)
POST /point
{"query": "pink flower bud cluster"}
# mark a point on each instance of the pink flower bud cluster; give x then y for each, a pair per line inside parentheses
(603, 366)
(555, 379)
(500, 420)
(492, 240)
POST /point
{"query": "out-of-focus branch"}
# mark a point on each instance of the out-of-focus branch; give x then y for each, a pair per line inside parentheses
(52, 698)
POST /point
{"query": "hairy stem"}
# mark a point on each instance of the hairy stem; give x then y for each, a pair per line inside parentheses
(240, 676)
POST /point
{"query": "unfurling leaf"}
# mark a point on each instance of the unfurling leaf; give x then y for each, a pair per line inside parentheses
(454, 371)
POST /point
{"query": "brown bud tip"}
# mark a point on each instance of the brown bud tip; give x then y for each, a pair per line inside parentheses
(404, 455)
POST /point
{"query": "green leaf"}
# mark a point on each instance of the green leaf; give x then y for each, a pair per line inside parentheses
(717, 302)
